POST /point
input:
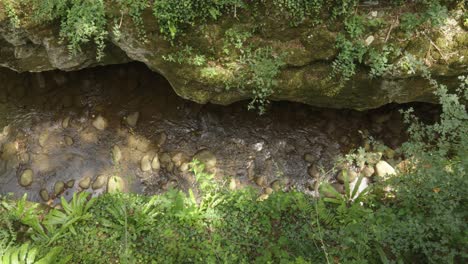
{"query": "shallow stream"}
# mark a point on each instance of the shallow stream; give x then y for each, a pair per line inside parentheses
(49, 128)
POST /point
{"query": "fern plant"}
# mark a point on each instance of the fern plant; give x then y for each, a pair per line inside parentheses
(27, 254)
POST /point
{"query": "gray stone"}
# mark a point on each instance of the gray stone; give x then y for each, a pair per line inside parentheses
(43, 138)
(85, 182)
(206, 157)
(132, 119)
(313, 171)
(383, 169)
(145, 164)
(66, 122)
(68, 140)
(99, 182)
(116, 184)
(26, 178)
(100, 123)
(44, 195)
(368, 171)
(59, 187)
(70, 183)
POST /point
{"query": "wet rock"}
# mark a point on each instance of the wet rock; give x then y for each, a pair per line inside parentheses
(116, 154)
(9, 150)
(100, 123)
(155, 164)
(44, 195)
(68, 140)
(99, 182)
(132, 119)
(26, 178)
(309, 158)
(179, 158)
(89, 136)
(313, 171)
(85, 182)
(261, 181)
(350, 174)
(165, 159)
(70, 183)
(206, 157)
(116, 184)
(170, 167)
(276, 185)
(66, 122)
(368, 171)
(161, 139)
(384, 169)
(59, 187)
(184, 167)
(145, 164)
(43, 138)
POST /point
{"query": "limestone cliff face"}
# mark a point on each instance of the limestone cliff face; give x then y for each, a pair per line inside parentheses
(308, 55)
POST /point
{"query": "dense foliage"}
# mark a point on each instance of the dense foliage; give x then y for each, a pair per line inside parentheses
(418, 216)
(84, 21)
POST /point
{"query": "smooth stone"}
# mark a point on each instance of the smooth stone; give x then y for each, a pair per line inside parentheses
(44, 195)
(59, 187)
(24, 157)
(368, 171)
(26, 178)
(132, 119)
(155, 164)
(99, 182)
(70, 183)
(66, 122)
(161, 139)
(309, 158)
(68, 140)
(165, 159)
(138, 142)
(9, 150)
(170, 167)
(145, 164)
(100, 123)
(350, 174)
(263, 197)
(85, 182)
(179, 158)
(369, 40)
(260, 181)
(232, 184)
(384, 169)
(313, 172)
(43, 138)
(268, 191)
(276, 185)
(116, 154)
(206, 157)
(184, 167)
(115, 184)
